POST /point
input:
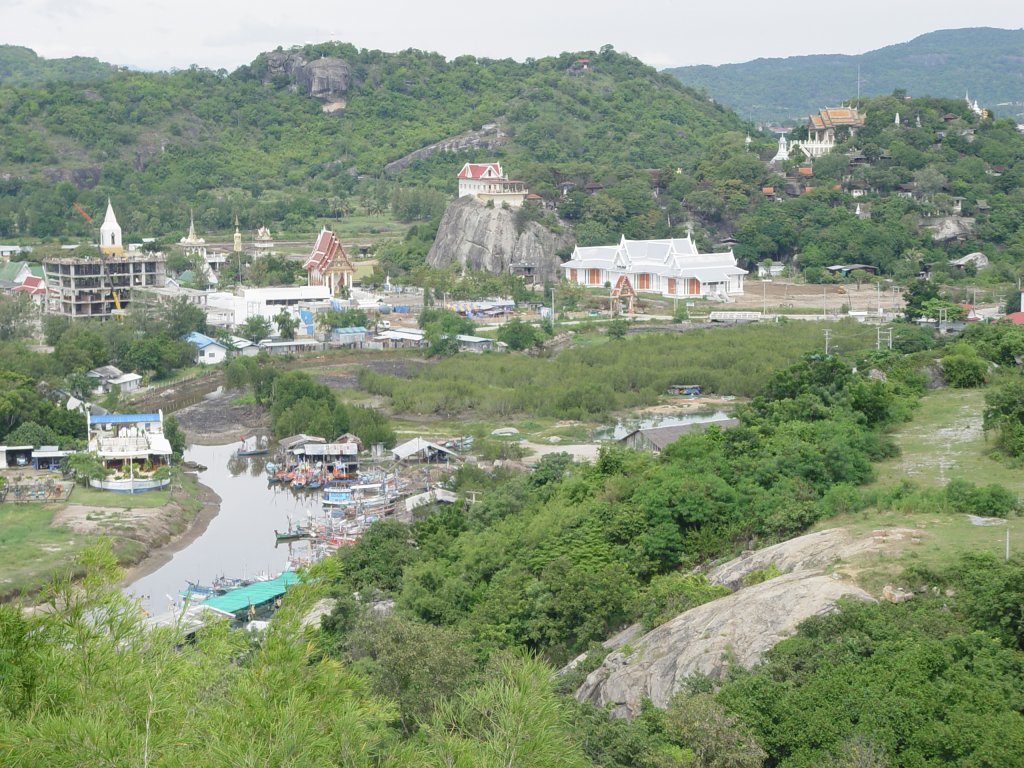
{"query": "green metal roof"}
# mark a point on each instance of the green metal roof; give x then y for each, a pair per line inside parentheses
(10, 270)
(255, 594)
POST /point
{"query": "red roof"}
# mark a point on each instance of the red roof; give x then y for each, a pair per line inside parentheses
(32, 285)
(326, 248)
(1017, 318)
(478, 170)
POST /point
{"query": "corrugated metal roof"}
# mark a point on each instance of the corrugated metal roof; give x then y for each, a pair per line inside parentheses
(124, 418)
(255, 594)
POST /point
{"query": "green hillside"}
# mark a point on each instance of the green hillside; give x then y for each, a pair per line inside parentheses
(22, 66)
(984, 61)
(253, 143)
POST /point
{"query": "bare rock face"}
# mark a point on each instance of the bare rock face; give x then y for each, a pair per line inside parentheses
(327, 78)
(489, 136)
(813, 551)
(737, 629)
(486, 239)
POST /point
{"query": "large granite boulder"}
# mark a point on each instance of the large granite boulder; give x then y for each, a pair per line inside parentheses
(327, 78)
(483, 238)
(736, 629)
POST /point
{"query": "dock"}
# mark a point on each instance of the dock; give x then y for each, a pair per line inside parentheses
(257, 595)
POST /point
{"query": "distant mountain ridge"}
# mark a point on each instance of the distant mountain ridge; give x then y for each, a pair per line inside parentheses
(23, 66)
(987, 62)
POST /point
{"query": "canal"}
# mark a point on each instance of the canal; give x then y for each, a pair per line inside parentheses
(239, 541)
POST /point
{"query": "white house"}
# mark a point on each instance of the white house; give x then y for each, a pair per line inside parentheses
(131, 446)
(487, 183)
(208, 351)
(670, 267)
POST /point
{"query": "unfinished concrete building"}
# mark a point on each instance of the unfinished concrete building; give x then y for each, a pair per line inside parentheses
(100, 287)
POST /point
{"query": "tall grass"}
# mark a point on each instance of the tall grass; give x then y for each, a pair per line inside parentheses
(590, 382)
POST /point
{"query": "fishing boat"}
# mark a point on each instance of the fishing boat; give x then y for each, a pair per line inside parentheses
(255, 445)
(295, 532)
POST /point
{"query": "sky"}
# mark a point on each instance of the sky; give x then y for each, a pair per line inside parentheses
(225, 34)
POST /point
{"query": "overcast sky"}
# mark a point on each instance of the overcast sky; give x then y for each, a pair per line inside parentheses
(228, 33)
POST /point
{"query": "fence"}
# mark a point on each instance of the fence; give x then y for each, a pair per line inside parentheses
(40, 491)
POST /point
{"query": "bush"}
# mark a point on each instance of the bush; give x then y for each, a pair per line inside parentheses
(673, 593)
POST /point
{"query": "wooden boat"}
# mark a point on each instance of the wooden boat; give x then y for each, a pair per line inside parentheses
(294, 534)
(256, 445)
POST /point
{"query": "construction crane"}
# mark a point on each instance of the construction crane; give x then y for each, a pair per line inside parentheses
(81, 210)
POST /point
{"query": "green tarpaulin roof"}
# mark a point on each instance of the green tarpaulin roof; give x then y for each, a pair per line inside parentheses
(255, 594)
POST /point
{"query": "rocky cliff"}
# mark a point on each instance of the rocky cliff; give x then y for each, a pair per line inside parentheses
(476, 237)
(489, 137)
(327, 78)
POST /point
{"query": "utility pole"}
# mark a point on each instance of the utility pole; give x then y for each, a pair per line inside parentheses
(828, 332)
(824, 310)
(883, 334)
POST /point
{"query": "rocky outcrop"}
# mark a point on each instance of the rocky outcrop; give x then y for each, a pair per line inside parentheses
(327, 78)
(741, 627)
(737, 629)
(946, 228)
(489, 137)
(476, 237)
(810, 552)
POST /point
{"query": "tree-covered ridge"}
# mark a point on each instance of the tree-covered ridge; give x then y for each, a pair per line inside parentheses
(161, 143)
(21, 66)
(983, 61)
(941, 160)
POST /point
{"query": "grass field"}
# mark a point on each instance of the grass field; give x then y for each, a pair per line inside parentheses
(92, 496)
(943, 442)
(30, 549)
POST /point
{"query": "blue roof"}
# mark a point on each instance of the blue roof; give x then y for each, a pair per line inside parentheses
(201, 340)
(124, 418)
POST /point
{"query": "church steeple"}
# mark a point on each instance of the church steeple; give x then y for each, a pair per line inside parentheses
(110, 233)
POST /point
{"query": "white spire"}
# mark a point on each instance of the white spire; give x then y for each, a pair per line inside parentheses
(110, 232)
(191, 224)
(897, 120)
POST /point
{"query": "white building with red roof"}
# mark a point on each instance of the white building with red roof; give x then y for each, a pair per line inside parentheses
(487, 183)
(328, 264)
(35, 287)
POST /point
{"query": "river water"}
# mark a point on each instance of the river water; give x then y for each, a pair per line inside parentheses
(239, 541)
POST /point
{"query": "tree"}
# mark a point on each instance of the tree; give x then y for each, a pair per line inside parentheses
(717, 738)
(180, 317)
(617, 329)
(174, 435)
(86, 466)
(963, 368)
(518, 335)
(287, 323)
(255, 328)
(16, 315)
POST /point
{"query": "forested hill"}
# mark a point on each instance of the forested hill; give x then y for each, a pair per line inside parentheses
(258, 144)
(983, 61)
(21, 66)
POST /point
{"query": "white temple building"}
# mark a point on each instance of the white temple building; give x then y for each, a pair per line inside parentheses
(487, 183)
(671, 267)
